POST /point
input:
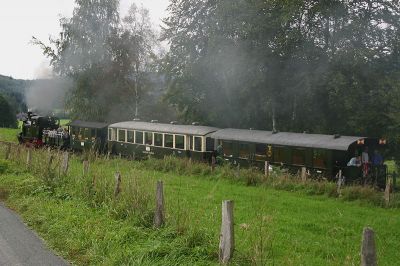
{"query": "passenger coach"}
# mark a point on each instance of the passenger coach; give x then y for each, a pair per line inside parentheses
(321, 154)
(87, 136)
(140, 139)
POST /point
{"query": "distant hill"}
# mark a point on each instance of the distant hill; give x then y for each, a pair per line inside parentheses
(13, 91)
(45, 96)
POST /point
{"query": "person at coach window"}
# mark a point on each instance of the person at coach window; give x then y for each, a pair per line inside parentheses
(355, 161)
(377, 159)
(365, 161)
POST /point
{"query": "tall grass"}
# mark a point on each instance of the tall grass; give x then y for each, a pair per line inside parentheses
(278, 179)
(126, 222)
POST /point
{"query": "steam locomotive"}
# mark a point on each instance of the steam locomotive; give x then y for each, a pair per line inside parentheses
(322, 155)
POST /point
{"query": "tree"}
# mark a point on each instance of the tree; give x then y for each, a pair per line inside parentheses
(315, 66)
(140, 38)
(7, 116)
(108, 61)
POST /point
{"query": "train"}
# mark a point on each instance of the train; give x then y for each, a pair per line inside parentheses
(322, 155)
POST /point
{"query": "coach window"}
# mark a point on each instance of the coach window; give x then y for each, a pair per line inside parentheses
(261, 152)
(158, 139)
(168, 141)
(121, 135)
(179, 142)
(298, 156)
(93, 133)
(87, 133)
(210, 144)
(279, 154)
(197, 141)
(244, 151)
(112, 134)
(227, 146)
(320, 158)
(74, 132)
(131, 136)
(138, 137)
(148, 138)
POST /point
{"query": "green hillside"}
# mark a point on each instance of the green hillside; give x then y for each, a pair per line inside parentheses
(13, 90)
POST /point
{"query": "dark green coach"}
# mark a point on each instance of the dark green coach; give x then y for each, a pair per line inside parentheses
(321, 154)
(87, 136)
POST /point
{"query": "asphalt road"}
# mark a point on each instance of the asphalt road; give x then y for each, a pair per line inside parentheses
(19, 246)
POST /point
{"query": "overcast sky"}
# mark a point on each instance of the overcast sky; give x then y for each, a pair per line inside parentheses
(22, 19)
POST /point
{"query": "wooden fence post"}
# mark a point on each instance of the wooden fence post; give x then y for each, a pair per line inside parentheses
(303, 174)
(108, 155)
(213, 163)
(28, 157)
(368, 251)
(339, 183)
(85, 167)
(50, 161)
(238, 170)
(227, 238)
(266, 169)
(8, 151)
(388, 191)
(117, 188)
(65, 163)
(18, 153)
(159, 216)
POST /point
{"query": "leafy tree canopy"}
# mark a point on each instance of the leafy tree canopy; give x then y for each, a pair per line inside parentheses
(315, 66)
(109, 60)
(7, 115)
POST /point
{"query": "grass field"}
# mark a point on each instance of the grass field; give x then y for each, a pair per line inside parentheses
(9, 134)
(79, 217)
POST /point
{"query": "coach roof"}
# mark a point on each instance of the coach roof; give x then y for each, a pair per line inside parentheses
(79, 123)
(287, 139)
(165, 128)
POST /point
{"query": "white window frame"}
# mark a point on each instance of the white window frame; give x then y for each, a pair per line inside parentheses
(173, 141)
(162, 139)
(142, 137)
(113, 134)
(134, 136)
(184, 142)
(118, 134)
(109, 136)
(152, 138)
(202, 143)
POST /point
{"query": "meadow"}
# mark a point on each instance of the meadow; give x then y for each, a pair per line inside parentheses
(277, 221)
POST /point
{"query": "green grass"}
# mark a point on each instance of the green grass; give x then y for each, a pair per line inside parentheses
(87, 225)
(9, 134)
